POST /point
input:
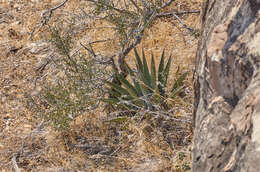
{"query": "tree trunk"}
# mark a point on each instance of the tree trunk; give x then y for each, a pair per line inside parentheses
(227, 88)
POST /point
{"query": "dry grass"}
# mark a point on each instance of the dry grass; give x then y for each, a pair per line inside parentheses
(91, 144)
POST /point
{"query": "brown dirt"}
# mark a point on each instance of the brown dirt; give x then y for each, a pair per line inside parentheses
(36, 146)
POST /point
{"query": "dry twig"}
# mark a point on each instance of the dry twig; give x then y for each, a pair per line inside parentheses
(177, 13)
(16, 168)
(46, 16)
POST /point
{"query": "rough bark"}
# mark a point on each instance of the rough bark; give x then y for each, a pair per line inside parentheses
(227, 88)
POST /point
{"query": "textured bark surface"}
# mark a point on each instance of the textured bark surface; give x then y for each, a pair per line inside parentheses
(227, 88)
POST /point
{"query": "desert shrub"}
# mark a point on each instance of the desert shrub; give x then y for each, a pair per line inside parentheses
(77, 87)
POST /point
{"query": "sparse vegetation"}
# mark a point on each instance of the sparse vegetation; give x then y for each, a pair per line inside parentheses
(83, 83)
(91, 46)
(77, 89)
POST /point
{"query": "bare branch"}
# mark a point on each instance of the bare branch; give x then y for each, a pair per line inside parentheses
(16, 168)
(136, 6)
(91, 51)
(46, 17)
(100, 41)
(175, 14)
(137, 39)
(168, 14)
(168, 3)
(58, 6)
(181, 22)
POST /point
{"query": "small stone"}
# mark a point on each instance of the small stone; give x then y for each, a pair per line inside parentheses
(7, 116)
(36, 91)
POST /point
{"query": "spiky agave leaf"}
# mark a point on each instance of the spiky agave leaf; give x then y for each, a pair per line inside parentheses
(177, 86)
(161, 65)
(114, 93)
(166, 71)
(143, 91)
(135, 81)
(118, 88)
(111, 100)
(137, 85)
(135, 91)
(146, 73)
(153, 73)
(139, 62)
(141, 88)
(125, 92)
(160, 86)
(143, 74)
(128, 86)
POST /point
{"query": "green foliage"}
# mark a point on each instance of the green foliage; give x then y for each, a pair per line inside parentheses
(62, 43)
(181, 156)
(72, 94)
(77, 87)
(185, 167)
(147, 88)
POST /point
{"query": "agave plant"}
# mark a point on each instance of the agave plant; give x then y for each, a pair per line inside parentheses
(147, 88)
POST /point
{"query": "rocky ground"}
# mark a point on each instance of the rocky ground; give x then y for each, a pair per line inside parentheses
(27, 143)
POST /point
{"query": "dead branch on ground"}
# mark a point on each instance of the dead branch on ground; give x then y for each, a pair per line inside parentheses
(46, 16)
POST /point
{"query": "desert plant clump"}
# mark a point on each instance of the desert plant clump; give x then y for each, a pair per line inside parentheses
(129, 19)
(147, 89)
(76, 89)
(82, 85)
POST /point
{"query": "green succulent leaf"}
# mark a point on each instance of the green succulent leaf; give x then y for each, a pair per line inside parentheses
(147, 87)
(146, 74)
(161, 65)
(111, 100)
(166, 71)
(161, 80)
(175, 92)
(178, 84)
(153, 73)
(129, 87)
(114, 93)
(136, 82)
(139, 62)
(138, 88)
(118, 88)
